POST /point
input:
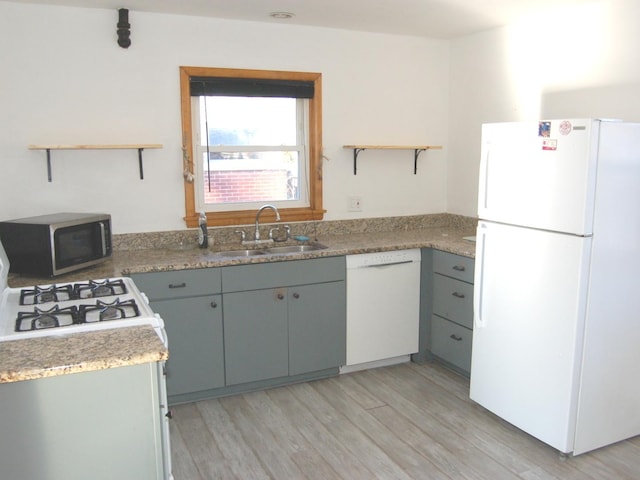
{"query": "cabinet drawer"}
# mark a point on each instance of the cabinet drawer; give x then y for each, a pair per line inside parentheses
(451, 342)
(179, 283)
(283, 274)
(452, 265)
(453, 300)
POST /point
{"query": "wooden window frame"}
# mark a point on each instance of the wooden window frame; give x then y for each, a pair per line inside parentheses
(245, 217)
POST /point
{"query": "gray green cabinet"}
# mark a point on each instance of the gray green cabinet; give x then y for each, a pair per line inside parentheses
(190, 303)
(245, 327)
(284, 319)
(99, 425)
(451, 328)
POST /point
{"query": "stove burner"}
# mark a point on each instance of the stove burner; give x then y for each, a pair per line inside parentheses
(39, 319)
(101, 291)
(105, 288)
(38, 295)
(103, 311)
(109, 313)
(46, 321)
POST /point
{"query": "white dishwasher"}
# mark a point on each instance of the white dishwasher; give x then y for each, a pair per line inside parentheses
(383, 306)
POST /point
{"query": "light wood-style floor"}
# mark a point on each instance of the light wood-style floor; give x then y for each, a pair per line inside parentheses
(401, 422)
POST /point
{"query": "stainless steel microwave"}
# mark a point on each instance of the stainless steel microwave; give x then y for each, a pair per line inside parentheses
(50, 245)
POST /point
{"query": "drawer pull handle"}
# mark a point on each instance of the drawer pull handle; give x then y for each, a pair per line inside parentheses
(459, 268)
(458, 294)
(214, 305)
(296, 295)
(280, 296)
(455, 337)
(177, 285)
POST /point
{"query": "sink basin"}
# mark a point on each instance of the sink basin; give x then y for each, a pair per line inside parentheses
(249, 252)
(240, 253)
(295, 248)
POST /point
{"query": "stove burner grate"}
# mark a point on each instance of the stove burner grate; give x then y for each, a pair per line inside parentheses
(62, 293)
(39, 295)
(95, 289)
(39, 319)
(104, 311)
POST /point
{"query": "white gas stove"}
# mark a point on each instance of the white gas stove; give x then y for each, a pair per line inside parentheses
(59, 309)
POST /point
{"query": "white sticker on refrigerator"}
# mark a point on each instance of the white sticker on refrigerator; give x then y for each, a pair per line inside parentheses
(565, 127)
(549, 144)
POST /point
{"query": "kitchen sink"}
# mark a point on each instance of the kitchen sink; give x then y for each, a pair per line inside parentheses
(240, 253)
(310, 247)
(249, 252)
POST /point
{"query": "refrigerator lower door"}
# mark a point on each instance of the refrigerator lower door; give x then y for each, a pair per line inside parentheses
(529, 306)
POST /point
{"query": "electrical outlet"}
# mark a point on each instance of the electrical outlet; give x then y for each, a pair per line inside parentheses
(355, 203)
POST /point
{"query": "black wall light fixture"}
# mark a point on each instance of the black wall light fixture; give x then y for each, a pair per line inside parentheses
(123, 28)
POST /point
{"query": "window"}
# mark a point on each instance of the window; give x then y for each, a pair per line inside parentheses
(251, 149)
(251, 137)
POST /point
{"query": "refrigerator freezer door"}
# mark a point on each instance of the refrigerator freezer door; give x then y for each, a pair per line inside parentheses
(529, 305)
(530, 179)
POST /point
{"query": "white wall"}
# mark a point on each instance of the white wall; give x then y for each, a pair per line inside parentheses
(582, 61)
(64, 80)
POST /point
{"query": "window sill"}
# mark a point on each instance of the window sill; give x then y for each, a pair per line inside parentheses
(248, 217)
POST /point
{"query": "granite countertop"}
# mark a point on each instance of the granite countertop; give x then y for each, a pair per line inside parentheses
(447, 239)
(41, 357)
(81, 352)
(127, 262)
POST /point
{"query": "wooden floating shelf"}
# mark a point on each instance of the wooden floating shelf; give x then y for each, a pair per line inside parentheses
(417, 150)
(134, 146)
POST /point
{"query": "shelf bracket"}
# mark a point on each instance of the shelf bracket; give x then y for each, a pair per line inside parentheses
(138, 146)
(140, 163)
(417, 150)
(416, 154)
(49, 176)
(356, 152)
(49, 164)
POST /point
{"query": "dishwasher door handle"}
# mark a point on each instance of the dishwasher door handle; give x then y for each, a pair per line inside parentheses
(380, 265)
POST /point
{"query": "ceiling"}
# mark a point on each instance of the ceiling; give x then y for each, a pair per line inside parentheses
(425, 18)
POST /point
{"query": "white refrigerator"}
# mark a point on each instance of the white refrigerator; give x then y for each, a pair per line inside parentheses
(556, 340)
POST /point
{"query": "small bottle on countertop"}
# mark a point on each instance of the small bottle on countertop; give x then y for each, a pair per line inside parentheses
(203, 234)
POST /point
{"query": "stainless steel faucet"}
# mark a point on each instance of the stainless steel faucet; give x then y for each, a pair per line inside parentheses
(256, 236)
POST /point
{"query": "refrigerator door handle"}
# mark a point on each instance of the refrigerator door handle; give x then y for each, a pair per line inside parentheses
(479, 277)
(484, 178)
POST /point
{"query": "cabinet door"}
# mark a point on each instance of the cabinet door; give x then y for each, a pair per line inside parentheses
(317, 327)
(196, 352)
(451, 342)
(255, 335)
